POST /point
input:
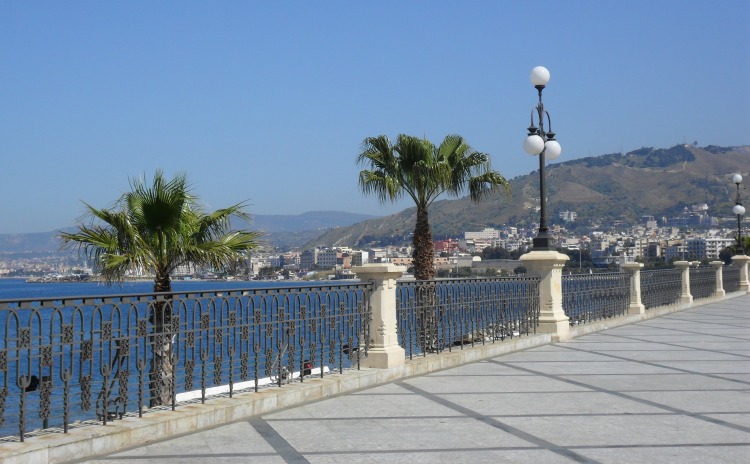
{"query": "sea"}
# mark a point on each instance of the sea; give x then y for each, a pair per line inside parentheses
(12, 288)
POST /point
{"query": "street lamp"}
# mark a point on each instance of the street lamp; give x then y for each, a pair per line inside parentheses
(542, 143)
(739, 210)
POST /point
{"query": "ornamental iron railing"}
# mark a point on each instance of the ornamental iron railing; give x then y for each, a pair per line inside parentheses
(731, 279)
(438, 315)
(702, 282)
(591, 297)
(98, 358)
(661, 287)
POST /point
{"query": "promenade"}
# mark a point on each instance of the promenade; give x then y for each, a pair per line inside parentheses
(673, 389)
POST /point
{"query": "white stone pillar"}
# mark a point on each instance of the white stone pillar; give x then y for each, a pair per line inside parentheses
(741, 261)
(634, 269)
(718, 267)
(547, 265)
(685, 296)
(384, 351)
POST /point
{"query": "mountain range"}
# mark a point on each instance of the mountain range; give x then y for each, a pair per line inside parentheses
(659, 182)
(281, 230)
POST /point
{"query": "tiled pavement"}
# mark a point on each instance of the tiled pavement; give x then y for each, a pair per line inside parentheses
(674, 389)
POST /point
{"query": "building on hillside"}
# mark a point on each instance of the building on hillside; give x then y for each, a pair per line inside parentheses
(327, 259)
(402, 261)
(571, 243)
(568, 216)
(360, 258)
(486, 234)
(446, 246)
(292, 260)
(512, 244)
(184, 270)
(695, 216)
(676, 252)
(378, 255)
(647, 248)
(307, 259)
(649, 221)
(699, 248)
(601, 258)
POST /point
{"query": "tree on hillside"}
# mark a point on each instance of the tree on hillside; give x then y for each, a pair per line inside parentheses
(158, 227)
(416, 167)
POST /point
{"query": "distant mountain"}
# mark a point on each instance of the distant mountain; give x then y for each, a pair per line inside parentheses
(314, 220)
(659, 182)
(289, 231)
(281, 231)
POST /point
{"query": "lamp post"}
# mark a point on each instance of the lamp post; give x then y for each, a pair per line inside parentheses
(542, 143)
(739, 210)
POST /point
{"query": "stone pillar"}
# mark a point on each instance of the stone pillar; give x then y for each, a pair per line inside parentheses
(384, 351)
(741, 261)
(547, 265)
(685, 296)
(718, 267)
(634, 269)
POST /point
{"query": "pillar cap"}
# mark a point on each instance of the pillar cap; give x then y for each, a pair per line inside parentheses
(544, 256)
(631, 266)
(379, 268)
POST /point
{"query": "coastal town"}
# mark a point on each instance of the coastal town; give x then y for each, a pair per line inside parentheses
(695, 235)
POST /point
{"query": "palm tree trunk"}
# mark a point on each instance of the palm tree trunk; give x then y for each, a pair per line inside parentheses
(161, 371)
(424, 270)
(424, 249)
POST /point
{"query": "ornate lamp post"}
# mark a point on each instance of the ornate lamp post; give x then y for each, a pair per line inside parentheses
(739, 210)
(542, 143)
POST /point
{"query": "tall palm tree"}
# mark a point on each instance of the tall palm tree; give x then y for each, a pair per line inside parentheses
(158, 227)
(423, 171)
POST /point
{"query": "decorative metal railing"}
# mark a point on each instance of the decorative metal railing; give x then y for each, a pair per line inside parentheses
(591, 297)
(97, 358)
(440, 315)
(661, 287)
(702, 282)
(731, 279)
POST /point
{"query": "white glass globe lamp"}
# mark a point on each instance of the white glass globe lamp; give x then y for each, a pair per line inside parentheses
(738, 210)
(533, 145)
(552, 149)
(737, 178)
(539, 76)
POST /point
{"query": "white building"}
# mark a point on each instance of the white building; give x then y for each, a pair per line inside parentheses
(487, 234)
(699, 248)
(360, 258)
(568, 216)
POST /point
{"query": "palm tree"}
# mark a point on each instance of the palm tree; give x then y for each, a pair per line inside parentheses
(158, 227)
(417, 168)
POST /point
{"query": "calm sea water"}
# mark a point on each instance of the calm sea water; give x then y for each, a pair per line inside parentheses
(19, 288)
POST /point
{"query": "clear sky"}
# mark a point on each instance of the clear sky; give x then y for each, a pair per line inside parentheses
(269, 101)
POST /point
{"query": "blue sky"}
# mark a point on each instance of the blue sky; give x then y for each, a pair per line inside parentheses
(269, 101)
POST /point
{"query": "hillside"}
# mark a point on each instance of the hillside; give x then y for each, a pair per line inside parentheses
(281, 230)
(647, 181)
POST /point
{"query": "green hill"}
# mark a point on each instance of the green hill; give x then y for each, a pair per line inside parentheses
(603, 189)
